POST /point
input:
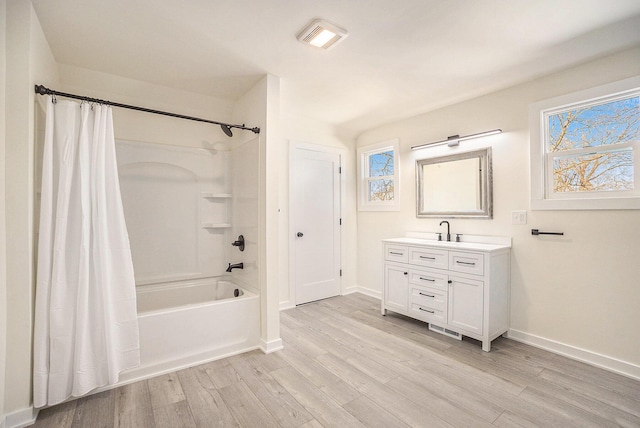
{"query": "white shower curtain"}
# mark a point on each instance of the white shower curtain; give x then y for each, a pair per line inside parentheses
(86, 327)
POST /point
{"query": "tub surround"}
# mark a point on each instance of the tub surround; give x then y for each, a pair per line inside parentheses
(459, 288)
(181, 204)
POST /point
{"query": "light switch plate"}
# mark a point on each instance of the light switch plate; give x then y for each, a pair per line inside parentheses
(518, 217)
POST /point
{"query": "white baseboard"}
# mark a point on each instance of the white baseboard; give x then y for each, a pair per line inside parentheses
(288, 304)
(350, 290)
(366, 291)
(21, 418)
(271, 346)
(605, 362)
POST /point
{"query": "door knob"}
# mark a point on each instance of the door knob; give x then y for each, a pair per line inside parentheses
(299, 234)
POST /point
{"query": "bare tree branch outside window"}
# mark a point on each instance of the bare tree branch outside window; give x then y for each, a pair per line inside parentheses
(381, 170)
(596, 132)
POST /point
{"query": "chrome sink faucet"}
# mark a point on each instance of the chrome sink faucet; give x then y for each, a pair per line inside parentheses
(448, 230)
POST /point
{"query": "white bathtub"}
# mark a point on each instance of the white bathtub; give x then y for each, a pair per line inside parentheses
(192, 322)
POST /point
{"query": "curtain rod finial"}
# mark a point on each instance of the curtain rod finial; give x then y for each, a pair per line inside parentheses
(41, 90)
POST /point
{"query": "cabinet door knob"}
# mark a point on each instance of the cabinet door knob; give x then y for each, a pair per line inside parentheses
(450, 282)
(406, 273)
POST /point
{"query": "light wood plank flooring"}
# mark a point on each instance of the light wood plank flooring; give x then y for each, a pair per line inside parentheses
(344, 365)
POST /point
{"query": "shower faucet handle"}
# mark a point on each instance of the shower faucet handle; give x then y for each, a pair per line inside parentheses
(239, 243)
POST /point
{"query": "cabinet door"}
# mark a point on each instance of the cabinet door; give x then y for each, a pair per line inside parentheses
(396, 288)
(466, 304)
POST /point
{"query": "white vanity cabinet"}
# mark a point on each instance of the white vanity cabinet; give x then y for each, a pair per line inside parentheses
(459, 288)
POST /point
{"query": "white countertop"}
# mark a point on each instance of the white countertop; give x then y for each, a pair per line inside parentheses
(474, 246)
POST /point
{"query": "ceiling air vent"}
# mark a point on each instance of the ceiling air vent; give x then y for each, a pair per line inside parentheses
(322, 34)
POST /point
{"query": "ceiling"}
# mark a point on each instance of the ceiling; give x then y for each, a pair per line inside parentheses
(401, 58)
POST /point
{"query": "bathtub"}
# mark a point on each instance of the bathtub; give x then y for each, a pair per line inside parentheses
(192, 322)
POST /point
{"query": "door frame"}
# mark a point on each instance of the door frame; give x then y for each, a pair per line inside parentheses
(293, 146)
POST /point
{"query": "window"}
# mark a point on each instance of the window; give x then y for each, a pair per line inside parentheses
(585, 149)
(378, 186)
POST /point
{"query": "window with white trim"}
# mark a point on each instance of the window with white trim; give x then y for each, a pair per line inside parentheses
(585, 149)
(378, 172)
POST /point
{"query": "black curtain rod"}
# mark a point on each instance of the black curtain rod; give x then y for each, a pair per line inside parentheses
(226, 127)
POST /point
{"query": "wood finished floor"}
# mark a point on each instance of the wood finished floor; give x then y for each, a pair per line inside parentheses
(344, 365)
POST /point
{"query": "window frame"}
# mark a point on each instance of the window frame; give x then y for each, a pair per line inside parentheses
(364, 152)
(542, 195)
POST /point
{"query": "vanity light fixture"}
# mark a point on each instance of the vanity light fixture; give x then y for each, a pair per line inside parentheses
(454, 140)
(322, 34)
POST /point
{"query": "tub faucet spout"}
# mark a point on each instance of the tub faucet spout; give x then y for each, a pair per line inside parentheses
(235, 266)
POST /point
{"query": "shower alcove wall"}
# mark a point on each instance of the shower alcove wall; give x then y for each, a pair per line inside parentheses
(183, 207)
(176, 202)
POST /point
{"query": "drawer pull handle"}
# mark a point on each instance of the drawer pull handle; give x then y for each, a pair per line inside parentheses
(425, 310)
(465, 263)
(427, 295)
(428, 258)
(396, 254)
(427, 279)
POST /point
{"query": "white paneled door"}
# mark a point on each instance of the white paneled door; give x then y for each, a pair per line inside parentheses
(316, 224)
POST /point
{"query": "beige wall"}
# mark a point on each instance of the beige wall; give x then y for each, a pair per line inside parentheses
(3, 237)
(580, 290)
(28, 61)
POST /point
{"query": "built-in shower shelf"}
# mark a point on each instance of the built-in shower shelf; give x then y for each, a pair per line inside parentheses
(210, 195)
(215, 225)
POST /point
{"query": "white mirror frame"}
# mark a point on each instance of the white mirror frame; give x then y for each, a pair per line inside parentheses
(486, 186)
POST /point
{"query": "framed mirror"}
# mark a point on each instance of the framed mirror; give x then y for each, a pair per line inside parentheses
(458, 185)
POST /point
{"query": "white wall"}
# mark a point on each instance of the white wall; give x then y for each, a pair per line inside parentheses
(28, 61)
(580, 290)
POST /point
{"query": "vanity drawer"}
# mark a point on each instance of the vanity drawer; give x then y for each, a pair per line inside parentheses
(396, 253)
(472, 263)
(429, 299)
(425, 313)
(428, 257)
(428, 279)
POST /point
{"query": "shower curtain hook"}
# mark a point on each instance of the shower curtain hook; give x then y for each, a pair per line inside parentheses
(54, 99)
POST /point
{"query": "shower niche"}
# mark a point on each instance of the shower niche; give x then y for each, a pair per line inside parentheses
(177, 204)
(219, 198)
